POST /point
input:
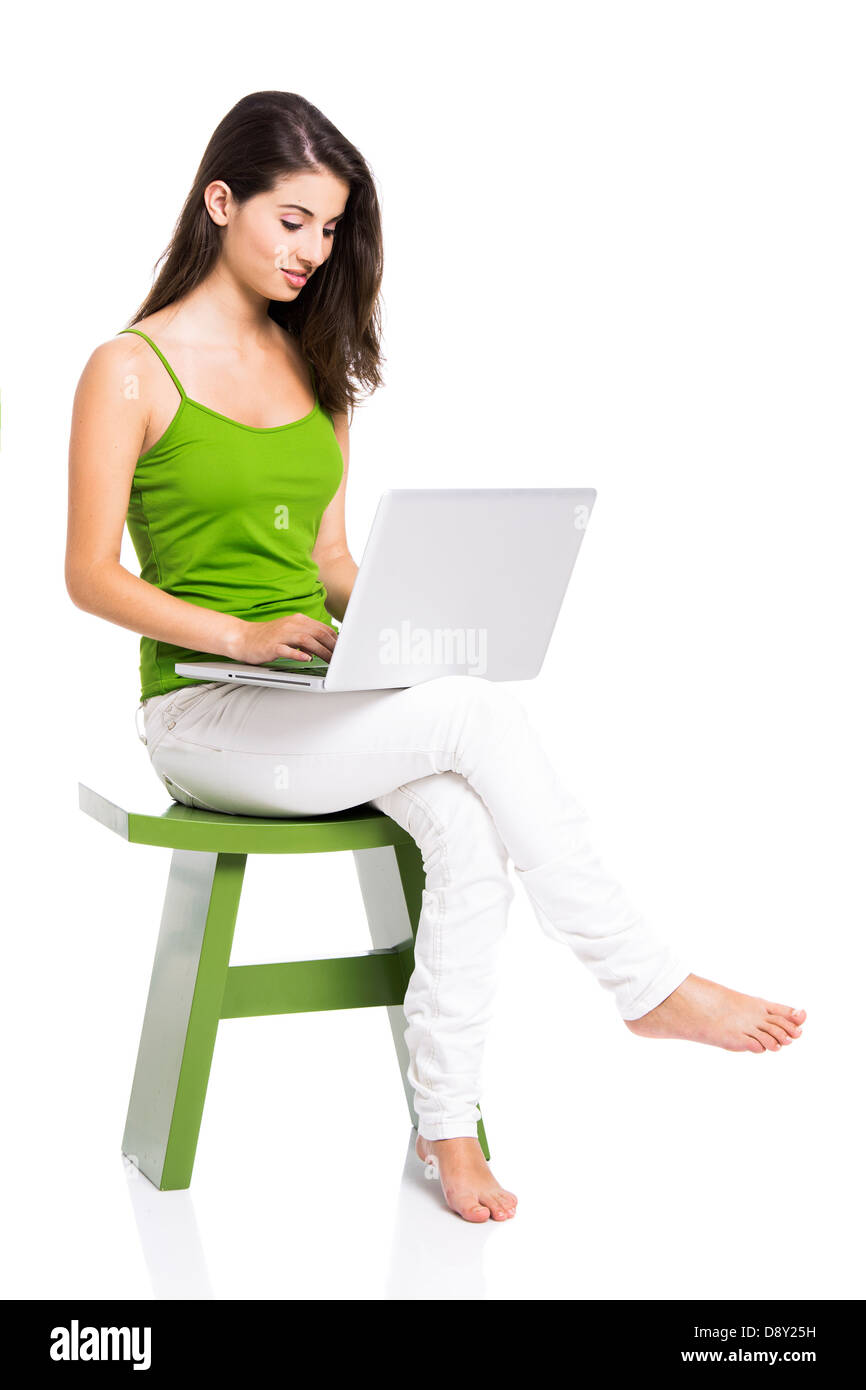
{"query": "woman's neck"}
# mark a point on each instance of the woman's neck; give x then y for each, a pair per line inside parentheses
(220, 310)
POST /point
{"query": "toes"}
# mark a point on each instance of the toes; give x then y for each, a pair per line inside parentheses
(754, 1044)
(467, 1202)
(787, 1024)
(796, 1016)
(485, 1206)
(775, 1031)
(475, 1212)
(763, 1032)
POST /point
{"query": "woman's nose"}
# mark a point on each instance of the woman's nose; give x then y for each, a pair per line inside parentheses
(313, 251)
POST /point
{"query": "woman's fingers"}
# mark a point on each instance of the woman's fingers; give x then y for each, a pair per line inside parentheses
(321, 639)
(294, 652)
(313, 648)
(327, 635)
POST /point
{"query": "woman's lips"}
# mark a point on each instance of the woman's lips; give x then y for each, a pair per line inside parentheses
(294, 277)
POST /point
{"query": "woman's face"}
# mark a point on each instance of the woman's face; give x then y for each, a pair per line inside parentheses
(291, 228)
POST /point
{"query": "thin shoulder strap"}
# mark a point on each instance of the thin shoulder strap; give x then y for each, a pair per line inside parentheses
(159, 355)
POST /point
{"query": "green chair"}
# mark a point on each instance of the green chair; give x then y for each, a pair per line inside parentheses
(193, 986)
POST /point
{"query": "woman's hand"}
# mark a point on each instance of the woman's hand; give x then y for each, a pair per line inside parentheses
(295, 635)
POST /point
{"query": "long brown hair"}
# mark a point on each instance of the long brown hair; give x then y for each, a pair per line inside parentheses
(337, 319)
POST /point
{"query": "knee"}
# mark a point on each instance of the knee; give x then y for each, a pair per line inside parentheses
(452, 826)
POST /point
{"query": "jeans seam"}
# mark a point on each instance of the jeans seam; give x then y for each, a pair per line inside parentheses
(438, 830)
(323, 753)
(191, 743)
(199, 803)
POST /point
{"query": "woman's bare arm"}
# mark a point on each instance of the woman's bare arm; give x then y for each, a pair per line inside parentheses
(105, 441)
(337, 569)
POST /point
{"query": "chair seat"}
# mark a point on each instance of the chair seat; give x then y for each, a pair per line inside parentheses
(183, 827)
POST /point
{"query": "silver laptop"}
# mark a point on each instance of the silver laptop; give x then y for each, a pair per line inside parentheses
(452, 581)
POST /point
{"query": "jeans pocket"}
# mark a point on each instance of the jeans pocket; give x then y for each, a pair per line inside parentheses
(155, 729)
(182, 702)
(163, 712)
(188, 697)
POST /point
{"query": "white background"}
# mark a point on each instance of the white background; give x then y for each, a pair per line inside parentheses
(624, 249)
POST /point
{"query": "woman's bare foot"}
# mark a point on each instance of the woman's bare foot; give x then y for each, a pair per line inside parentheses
(469, 1186)
(702, 1011)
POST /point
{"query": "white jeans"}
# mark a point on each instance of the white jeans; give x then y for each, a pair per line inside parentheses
(457, 764)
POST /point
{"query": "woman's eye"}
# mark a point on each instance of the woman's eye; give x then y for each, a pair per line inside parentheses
(296, 227)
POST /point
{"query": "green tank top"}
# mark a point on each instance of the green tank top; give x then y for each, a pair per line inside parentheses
(226, 515)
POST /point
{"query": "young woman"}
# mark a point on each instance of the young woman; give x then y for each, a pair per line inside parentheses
(217, 428)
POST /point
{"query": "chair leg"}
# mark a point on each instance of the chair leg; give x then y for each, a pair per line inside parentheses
(392, 881)
(389, 916)
(182, 1014)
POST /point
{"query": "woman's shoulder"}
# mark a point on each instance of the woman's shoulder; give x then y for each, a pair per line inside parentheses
(128, 352)
(125, 367)
(123, 344)
(116, 355)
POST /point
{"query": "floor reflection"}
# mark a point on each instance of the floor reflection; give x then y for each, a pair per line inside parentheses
(170, 1241)
(434, 1253)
